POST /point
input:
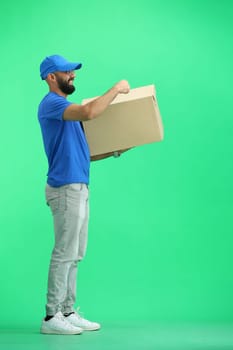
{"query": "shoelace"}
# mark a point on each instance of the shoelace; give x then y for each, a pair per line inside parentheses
(78, 313)
(81, 316)
(66, 324)
(62, 318)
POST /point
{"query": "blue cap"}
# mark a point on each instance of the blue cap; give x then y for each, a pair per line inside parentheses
(56, 63)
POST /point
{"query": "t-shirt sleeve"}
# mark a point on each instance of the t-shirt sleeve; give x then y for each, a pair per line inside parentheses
(54, 107)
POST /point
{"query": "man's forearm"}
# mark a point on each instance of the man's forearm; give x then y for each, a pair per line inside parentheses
(107, 155)
(99, 105)
(102, 156)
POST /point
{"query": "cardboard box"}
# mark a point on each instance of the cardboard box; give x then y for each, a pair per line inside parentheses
(131, 120)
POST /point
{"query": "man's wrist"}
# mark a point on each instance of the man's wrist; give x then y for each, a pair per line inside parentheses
(116, 89)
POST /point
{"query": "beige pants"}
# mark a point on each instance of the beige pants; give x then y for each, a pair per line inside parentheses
(70, 208)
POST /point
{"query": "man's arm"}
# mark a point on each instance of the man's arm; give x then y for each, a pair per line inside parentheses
(102, 156)
(109, 154)
(94, 108)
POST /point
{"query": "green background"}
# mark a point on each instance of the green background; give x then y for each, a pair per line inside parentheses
(160, 237)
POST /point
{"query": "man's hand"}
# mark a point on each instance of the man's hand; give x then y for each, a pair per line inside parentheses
(123, 87)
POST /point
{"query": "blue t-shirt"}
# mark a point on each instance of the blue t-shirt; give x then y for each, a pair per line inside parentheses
(64, 142)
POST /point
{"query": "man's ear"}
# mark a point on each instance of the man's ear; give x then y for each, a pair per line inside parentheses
(51, 77)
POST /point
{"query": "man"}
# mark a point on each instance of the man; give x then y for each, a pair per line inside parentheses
(67, 187)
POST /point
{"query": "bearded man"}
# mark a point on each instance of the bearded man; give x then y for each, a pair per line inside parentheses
(68, 156)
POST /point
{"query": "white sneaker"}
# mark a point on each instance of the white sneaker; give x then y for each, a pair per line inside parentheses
(59, 325)
(76, 320)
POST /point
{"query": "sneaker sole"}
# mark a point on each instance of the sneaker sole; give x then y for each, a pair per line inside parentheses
(91, 329)
(49, 331)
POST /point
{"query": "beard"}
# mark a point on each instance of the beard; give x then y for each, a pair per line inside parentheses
(64, 86)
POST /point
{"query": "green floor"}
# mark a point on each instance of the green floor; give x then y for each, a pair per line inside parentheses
(125, 336)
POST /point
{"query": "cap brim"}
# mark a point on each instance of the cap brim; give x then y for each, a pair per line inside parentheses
(70, 66)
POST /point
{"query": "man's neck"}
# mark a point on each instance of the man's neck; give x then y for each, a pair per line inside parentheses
(58, 92)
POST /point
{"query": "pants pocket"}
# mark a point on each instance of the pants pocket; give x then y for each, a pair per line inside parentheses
(52, 197)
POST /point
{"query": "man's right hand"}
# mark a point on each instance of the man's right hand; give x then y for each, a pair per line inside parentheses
(123, 87)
